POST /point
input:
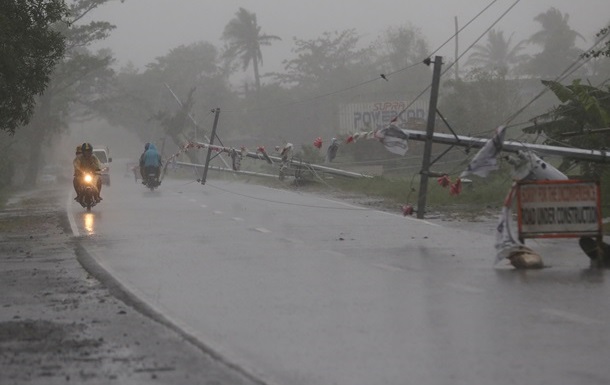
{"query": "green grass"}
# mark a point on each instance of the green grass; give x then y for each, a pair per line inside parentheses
(479, 195)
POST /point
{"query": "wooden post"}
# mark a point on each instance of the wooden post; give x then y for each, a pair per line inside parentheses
(423, 181)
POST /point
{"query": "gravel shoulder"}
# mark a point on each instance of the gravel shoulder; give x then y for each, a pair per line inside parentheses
(59, 324)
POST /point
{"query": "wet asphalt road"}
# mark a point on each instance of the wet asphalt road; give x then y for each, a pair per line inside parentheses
(301, 290)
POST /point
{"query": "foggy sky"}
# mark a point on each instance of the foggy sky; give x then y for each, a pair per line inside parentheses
(147, 29)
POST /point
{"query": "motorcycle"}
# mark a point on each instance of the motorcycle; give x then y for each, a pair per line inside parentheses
(151, 180)
(88, 191)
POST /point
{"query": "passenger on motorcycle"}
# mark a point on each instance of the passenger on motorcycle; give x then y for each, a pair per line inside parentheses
(150, 162)
(79, 152)
(83, 163)
(141, 163)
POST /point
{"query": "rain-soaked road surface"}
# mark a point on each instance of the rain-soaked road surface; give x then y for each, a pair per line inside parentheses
(302, 290)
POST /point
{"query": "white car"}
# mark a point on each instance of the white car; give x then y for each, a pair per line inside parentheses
(101, 153)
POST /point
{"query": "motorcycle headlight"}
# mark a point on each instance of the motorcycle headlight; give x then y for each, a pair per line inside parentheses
(88, 178)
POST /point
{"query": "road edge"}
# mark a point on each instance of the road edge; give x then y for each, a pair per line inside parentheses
(122, 293)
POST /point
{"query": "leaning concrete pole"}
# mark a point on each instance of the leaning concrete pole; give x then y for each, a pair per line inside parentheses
(209, 155)
(457, 66)
(423, 181)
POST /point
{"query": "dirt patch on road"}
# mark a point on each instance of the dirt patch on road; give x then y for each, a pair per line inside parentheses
(59, 324)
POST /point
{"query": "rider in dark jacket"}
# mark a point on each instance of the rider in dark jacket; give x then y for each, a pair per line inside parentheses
(83, 163)
(151, 162)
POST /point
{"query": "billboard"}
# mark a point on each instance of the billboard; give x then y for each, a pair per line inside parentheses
(356, 117)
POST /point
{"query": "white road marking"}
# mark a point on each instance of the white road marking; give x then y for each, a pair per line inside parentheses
(73, 225)
(204, 206)
(572, 317)
(217, 212)
(389, 267)
(293, 240)
(262, 230)
(466, 288)
(238, 219)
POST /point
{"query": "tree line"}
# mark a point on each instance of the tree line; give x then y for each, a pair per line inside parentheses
(46, 87)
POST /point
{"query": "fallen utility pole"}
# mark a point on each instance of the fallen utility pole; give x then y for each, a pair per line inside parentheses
(224, 169)
(292, 162)
(513, 146)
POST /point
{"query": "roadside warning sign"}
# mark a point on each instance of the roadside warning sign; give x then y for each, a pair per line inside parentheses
(558, 208)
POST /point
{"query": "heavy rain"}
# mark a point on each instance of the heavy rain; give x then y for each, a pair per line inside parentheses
(304, 193)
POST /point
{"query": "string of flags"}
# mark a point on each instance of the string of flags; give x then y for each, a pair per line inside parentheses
(394, 139)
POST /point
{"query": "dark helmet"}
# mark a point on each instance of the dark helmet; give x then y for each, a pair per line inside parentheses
(86, 147)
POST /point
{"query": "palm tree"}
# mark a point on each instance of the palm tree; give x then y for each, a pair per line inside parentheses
(497, 53)
(558, 42)
(245, 39)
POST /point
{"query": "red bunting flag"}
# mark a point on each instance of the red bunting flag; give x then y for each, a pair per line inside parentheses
(317, 143)
(444, 181)
(456, 188)
(407, 210)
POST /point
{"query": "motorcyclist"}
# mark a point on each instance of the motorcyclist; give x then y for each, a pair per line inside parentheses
(87, 162)
(151, 160)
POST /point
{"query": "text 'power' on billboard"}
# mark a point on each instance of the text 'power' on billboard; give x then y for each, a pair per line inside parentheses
(356, 117)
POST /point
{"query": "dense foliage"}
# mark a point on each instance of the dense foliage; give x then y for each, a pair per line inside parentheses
(78, 79)
(581, 120)
(30, 46)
